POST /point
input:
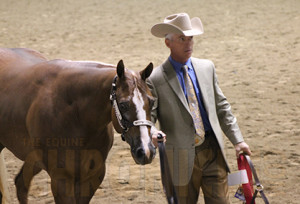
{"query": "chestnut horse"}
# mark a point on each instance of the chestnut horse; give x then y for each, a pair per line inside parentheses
(59, 115)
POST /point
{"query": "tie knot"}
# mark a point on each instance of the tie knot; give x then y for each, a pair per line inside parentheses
(185, 68)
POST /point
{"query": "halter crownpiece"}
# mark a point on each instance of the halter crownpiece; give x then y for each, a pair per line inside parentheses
(124, 124)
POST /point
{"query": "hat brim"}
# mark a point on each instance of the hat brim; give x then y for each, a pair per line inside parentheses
(160, 30)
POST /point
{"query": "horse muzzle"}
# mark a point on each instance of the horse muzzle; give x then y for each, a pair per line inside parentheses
(143, 155)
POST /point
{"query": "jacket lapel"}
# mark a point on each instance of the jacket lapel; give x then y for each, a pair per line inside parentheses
(202, 81)
(171, 77)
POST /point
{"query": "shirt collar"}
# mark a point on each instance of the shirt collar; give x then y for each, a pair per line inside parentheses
(177, 65)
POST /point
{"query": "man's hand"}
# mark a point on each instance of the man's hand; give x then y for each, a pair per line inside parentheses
(155, 139)
(242, 146)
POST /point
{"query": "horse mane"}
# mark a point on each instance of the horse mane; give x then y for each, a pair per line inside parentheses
(80, 64)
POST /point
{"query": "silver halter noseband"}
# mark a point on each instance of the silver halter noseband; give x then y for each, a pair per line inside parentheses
(124, 124)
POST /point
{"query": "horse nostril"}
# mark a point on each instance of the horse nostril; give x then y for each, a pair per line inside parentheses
(140, 153)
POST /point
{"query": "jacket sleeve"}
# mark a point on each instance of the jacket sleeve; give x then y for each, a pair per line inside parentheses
(155, 105)
(227, 120)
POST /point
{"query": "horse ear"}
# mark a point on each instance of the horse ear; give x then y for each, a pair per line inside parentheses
(147, 71)
(120, 69)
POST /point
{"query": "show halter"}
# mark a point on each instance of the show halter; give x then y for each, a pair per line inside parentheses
(244, 162)
(124, 124)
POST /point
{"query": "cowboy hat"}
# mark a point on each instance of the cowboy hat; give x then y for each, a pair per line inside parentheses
(179, 24)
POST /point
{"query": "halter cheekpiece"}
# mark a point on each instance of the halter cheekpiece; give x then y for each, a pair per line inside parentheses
(124, 124)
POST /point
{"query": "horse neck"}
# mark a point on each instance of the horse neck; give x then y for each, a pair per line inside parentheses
(90, 91)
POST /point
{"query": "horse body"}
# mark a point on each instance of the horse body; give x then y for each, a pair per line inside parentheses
(56, 115)
(41, 100)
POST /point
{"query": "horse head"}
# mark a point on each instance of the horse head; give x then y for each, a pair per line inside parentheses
(131, 112)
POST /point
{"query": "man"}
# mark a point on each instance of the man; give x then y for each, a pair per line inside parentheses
(193, 113)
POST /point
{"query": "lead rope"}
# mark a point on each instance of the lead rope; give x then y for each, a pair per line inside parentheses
(259, 188)
(166, 178)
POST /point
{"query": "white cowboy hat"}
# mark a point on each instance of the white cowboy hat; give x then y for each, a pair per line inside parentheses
(178, 24)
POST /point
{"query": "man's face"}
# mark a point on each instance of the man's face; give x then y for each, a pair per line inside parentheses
(181, 47)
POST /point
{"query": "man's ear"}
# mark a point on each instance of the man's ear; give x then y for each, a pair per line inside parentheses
(167, 42)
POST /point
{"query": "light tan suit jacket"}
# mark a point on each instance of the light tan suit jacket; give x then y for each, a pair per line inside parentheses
(172, 111)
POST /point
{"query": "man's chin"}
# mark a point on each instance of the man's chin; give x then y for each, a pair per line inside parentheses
(188, 54)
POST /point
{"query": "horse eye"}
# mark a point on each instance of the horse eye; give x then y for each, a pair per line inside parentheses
(151, 102)
(124, 106)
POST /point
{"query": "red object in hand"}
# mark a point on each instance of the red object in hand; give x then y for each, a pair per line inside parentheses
(247, 187)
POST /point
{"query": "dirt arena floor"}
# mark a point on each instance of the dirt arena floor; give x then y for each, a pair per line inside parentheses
(255, 46)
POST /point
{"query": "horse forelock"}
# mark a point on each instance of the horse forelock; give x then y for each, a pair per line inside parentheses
(135, 81)
(133, 87)
(138, 82)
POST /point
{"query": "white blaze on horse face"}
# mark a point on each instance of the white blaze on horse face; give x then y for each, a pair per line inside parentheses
(141, 115)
